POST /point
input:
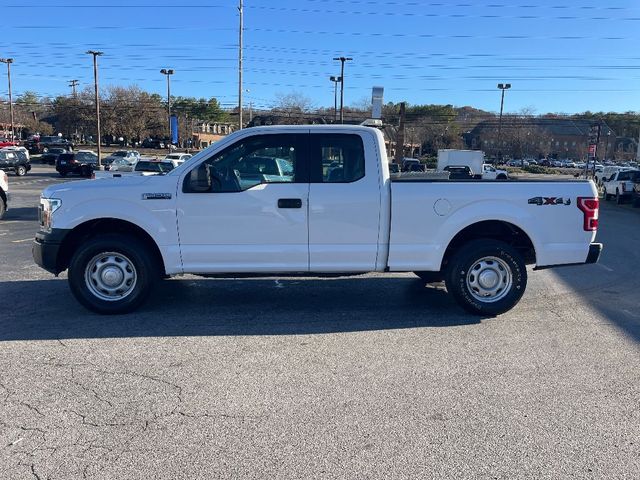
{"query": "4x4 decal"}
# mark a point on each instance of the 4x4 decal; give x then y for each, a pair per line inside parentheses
(549, 201)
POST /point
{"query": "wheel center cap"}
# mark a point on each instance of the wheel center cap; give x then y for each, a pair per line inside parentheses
(488, 279)
(112, 276)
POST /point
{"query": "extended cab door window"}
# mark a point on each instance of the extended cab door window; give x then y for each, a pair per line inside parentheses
(253, 161)
(337, 158)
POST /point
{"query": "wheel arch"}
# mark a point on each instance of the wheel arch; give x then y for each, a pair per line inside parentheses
(92, 228)
(493, 230)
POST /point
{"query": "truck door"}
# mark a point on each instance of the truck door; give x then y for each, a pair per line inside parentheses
(344, 203)
(245, 208)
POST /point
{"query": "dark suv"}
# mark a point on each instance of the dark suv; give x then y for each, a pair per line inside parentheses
(79, 163)
(45, 143)
(15, 160)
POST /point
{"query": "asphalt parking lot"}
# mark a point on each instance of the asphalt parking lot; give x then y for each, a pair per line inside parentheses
(362, 377)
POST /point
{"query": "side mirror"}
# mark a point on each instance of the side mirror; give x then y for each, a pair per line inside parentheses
(200, 179)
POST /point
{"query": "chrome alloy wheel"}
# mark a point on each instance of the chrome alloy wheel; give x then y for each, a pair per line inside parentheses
(110, 276)
(489, 279)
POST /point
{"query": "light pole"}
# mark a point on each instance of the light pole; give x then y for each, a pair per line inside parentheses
(335, 81)
(9, 61)
(96, 54)
(168, 72)
(342, 60)
(503, 87)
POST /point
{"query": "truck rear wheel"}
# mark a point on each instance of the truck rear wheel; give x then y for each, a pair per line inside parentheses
(112, 274)
(486, 277)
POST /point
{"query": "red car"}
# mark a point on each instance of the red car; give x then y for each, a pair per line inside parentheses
(5, 142)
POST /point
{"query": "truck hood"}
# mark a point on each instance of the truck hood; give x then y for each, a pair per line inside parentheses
(100, 187)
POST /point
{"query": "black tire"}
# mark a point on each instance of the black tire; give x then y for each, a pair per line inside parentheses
(509, 264)
(605, 195)
(635, 202)
(21, 170)
(501, 177)
(135, 255)
(430, 277)
(619, 198)
(3, 208)
(63, 173)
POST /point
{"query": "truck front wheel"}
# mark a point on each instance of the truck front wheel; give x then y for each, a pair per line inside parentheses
(486, 277)
(112, 274)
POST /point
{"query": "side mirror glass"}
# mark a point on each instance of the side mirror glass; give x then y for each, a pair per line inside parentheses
(200, 179)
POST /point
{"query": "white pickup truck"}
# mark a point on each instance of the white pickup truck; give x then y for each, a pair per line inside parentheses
(329, 207)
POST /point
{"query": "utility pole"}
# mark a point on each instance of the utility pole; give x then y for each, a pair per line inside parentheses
(503, 87)
(73, 84)
(400, 136)
(335, 81)
(96, 54)
(342, 60)
(9, 61)
(168, 72)
(240, 10)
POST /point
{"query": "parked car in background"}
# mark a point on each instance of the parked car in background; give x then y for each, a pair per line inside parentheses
(635, 194)
(151, 167)
(122, 165)
(130, 155)
(79, 163)
(5, 142)
(24, 151)
(178, 158)
(4, 193)
(620, 185)
(394, 168)
(153, 143)
(52, 155)
(607, 172)
(14, 160)
(45, 143)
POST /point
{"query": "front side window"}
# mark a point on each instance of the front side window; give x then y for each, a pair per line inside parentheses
(338, 158)
(250, 162)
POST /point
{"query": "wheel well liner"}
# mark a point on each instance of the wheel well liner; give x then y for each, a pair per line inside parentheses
(496, 230)
(81, 233)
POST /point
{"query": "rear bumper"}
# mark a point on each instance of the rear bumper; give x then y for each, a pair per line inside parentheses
(595, 249)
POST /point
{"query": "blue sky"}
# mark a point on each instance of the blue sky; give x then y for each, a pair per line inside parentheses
(559, 56)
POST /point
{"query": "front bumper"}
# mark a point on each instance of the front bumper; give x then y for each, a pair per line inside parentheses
(595, 249)
(46, 249)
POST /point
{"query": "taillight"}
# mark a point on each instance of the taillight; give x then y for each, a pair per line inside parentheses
(589, 207)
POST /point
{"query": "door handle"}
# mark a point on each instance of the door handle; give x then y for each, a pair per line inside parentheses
(289, 203)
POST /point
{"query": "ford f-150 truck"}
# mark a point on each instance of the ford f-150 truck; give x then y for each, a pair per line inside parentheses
(330, 207)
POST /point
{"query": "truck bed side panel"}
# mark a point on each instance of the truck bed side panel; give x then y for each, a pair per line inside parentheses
(426, 216)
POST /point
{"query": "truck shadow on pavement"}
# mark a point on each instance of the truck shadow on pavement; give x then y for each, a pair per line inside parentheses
(23, 213)
(196, 307)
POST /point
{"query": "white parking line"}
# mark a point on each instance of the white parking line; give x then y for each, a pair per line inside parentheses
(22, 241)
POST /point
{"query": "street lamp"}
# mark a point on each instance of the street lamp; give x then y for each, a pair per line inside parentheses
(96, 54)
(335, 81)
(503, 87)
(342, 60)
(9, 61)
(168, 72)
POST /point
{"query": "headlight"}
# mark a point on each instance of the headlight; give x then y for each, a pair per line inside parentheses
(47, 207)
